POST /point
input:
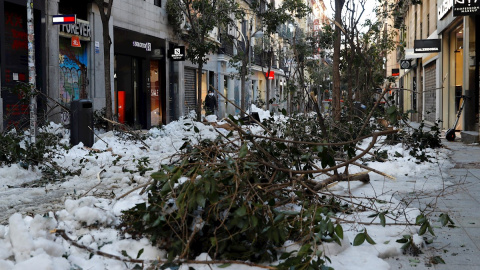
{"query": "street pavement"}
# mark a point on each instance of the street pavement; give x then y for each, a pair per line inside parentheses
(458, 246)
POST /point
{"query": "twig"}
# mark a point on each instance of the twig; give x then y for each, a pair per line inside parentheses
(98, 177)
(64, 235)
(136, 188)
(127, 131)
(98, 136)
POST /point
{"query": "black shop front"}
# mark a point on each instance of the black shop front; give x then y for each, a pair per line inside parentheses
(14, 60)
(139, 79)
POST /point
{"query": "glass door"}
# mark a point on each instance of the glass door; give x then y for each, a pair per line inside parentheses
(155, 97)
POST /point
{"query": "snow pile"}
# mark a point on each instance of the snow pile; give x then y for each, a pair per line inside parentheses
(93, 201)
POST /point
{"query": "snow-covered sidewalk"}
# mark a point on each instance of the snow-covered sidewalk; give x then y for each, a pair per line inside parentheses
(88, 206)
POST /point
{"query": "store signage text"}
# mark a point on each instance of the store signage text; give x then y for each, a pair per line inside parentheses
(177, 53)
(426, 45)
(147, 45)
(466, 7)
(78, 29)
(444, 8)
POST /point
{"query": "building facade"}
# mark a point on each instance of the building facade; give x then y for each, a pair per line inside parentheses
(14, 59)
(438, 39)
(149, 87)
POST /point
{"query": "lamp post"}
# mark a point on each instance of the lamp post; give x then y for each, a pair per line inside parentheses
(248, 44)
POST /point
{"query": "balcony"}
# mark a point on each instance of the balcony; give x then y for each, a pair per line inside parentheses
(399, 14)
(226, 46)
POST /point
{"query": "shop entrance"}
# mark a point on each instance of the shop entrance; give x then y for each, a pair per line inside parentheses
(157, 96)
(129, 90)
(456, 39)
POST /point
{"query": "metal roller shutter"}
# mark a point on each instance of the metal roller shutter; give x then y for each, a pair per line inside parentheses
(430, 92)
(190, 90)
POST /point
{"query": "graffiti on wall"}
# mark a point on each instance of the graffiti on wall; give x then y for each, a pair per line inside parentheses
(15, 65)
(73, 64)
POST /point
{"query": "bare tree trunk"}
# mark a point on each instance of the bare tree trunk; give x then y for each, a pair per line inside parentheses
(105, 13)
(243, 71)
(336, 60)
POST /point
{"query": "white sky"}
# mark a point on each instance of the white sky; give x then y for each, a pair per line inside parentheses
(369, 6)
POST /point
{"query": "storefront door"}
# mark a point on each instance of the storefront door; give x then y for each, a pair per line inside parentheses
(157, 96)
(128, 88)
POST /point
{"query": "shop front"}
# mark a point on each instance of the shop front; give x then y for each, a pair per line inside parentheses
(459, 63)
(139, 79)
(14, 60)
(74, 39)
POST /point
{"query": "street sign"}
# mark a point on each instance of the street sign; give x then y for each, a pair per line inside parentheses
(64, 19)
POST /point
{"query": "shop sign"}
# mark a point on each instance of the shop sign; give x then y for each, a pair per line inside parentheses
(81, 29)
(270, 75)
(466, 7)
(76, 42)
(395, 72)
(147, 45)
(426, 45)
(406, 64)
(177, 53)
(64, 19)
(444, 8)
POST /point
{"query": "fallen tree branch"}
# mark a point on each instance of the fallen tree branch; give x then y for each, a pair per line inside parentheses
(363, 177)
(127, 131)
(64, 235)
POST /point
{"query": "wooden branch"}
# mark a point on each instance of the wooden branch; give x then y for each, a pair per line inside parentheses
(373, 170)
(363, 177)
(64, 235)
(352, 160)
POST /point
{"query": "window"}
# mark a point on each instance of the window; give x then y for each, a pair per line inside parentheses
(157, 3)
(73, 7)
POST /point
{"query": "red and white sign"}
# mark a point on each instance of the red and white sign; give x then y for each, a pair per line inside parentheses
(270, 75)
(64, 19)
(76, 42)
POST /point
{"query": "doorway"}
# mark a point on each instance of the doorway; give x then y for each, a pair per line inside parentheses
(128, 85)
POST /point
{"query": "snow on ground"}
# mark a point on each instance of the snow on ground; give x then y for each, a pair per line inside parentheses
(88, 206)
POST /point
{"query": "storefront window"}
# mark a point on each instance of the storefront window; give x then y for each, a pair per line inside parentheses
(155, 110)
(73, 71)
(458, 51)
